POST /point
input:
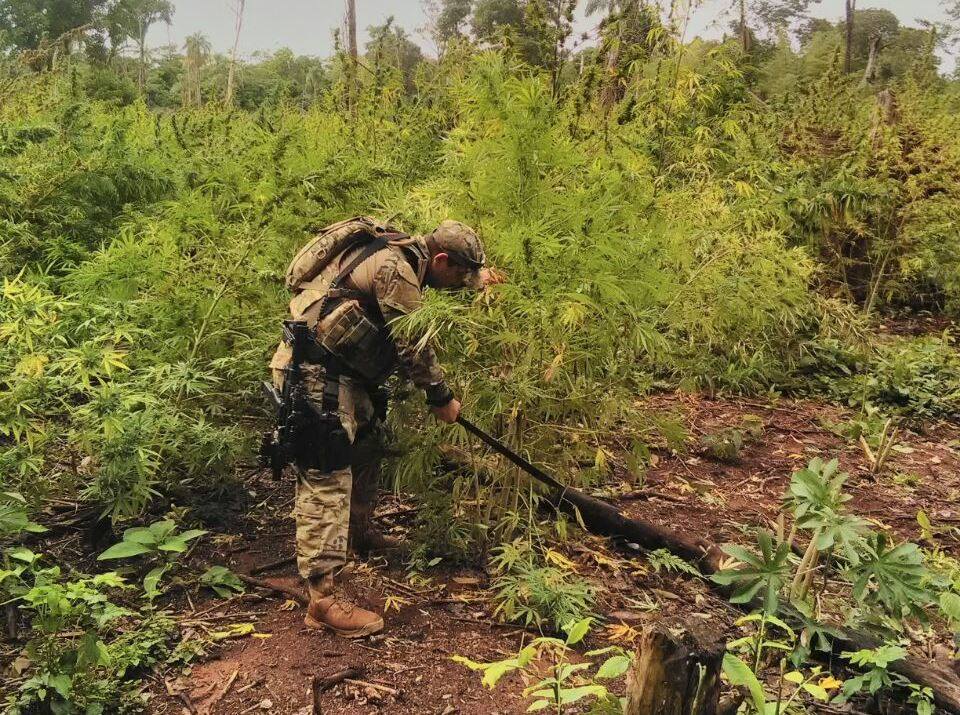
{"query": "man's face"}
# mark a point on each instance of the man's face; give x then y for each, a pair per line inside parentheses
(446, 272)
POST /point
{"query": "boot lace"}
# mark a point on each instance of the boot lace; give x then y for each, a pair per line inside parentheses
(347, 607)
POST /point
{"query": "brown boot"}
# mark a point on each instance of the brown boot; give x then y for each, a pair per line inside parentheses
(365, 538)
(327, 610)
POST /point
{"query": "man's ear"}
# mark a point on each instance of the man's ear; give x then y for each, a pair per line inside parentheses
(441, 259)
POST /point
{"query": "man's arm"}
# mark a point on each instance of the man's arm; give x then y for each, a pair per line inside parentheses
(398, 293)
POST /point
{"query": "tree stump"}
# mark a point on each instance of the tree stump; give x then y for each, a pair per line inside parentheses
(675, 674)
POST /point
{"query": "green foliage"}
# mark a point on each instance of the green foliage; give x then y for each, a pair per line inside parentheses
(14, 519)
(918, 378)
(537, 594)
(222, 580)
(665, 560)
(161, 536)
(566, 683)
(666, 214)
(891, 575)
(764, 574)
(878, 678)
(85, 651)
(160, 544)
(817, 498)
(740, 673)
(726, 444)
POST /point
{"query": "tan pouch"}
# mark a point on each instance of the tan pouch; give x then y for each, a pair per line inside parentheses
(358, 342)
(281, 359)
(307, 306)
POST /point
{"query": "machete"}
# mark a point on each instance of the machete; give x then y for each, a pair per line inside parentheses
(503, 449)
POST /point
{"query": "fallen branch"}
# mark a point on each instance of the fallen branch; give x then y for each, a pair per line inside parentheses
(325, 682)
(604, 519)
(208, 706)
(373, 686)
(293, 593)
(280, 563)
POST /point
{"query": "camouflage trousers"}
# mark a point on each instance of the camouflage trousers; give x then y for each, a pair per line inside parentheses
(325, 500)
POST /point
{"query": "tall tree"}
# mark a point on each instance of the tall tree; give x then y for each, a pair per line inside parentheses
(870, 72)
(744, 30)
(546, 27)
(352, 78)
(196, 54)
(451, 18)
(132, 19)
(775, 16)
(851, 7)
(231, 75)
(492, 17)
(624, 34)
(390, 46)
(25, 24)
(772, 17)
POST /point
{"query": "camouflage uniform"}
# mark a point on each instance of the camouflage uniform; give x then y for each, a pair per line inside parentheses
(391, 280)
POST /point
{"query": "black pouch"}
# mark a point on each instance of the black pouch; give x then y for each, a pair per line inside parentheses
(327, 445)
(335, 452)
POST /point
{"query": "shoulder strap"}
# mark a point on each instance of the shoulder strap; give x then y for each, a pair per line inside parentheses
(377, 244)
(334, 292)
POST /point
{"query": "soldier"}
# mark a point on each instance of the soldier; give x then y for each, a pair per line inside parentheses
(351, 305)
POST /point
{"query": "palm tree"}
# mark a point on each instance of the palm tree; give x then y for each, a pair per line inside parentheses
(197, 49)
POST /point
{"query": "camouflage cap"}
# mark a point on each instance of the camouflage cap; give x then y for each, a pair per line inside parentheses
(461, 242)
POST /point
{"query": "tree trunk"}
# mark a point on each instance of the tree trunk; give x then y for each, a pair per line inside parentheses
(744, 31)
(352, 49)
(12, 616)
(870, 73)
(851, 6)
(231, 75)
(674, 675)
(604, 519)
(142, 69)
(610, 94)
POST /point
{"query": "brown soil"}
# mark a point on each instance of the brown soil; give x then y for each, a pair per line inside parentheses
(408, 668)
(427, 623)
(715, 499)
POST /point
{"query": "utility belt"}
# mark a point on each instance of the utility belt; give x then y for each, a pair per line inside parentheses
(333, 368)
(331, 448)
(308, 431)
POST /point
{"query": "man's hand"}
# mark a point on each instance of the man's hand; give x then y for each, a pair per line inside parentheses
(449, 412)
(491, 276)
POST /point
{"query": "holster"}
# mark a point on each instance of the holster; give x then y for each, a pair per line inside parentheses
(328, 449)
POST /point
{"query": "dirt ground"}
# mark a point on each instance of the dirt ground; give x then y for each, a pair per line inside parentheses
(408, 668)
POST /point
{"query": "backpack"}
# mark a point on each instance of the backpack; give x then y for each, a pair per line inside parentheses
(331, 242)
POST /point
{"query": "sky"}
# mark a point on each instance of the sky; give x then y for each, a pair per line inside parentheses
(306, 26)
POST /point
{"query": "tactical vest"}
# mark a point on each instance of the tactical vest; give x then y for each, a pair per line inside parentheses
(348, 324)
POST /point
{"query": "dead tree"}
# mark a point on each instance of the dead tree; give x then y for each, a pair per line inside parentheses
(352, 89)
(870, 73)
(744, 31)
(231, 75)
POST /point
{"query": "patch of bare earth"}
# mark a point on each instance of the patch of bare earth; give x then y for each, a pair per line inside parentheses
(713, 499)
(408, 668)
